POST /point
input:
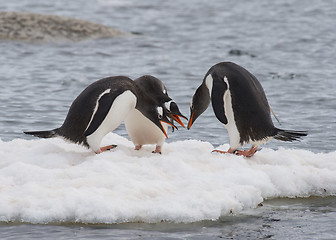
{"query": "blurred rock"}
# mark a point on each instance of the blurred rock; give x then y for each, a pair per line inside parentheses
(33, 27)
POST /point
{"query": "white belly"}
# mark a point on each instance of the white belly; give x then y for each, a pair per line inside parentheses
(231, 125)
(143, 131)
(120, 108)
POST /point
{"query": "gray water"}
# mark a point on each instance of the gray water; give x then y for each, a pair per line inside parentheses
(290, 46)
(312, 218)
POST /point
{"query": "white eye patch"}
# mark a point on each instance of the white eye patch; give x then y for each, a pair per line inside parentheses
(167, 104)
(209, 83)
(160, 111)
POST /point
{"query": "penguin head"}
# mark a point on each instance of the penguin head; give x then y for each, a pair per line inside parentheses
(153, 86)
(158, 92)
(159, 115)
(172, 109)
(199, 103)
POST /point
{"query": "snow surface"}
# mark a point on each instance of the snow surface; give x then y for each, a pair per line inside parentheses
(50, 180)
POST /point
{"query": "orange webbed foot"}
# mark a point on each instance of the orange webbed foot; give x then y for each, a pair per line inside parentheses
(228, 151)
(107, 148)
(138, 147)
(246, 153)
(220, 151)
(157, 150)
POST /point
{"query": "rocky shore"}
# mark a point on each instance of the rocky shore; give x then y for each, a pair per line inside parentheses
(33, 27)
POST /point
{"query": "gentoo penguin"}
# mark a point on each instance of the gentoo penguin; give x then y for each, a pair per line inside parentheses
(239, 102)
(101, 108)
(142, 131)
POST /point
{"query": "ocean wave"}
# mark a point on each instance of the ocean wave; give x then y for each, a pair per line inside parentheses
(50, 180)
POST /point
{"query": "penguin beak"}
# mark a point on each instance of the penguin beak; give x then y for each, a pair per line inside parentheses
(175, 113)
(168, 122)
(163, 129)
(191, 120)
(177, 118)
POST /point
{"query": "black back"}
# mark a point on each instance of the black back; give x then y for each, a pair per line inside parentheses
(81, 109)
(249, 103)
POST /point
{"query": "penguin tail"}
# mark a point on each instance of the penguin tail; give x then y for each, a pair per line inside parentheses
(289, 135)
(43, 134)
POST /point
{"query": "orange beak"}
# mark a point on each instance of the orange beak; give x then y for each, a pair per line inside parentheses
(190, 121)
(177, 119)
(163, 130)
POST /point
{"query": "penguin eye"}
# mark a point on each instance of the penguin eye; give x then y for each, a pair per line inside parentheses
(160, 112)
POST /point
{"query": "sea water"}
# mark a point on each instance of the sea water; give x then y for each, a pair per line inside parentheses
(51, 189)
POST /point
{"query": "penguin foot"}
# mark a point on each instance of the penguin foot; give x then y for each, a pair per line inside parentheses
(246, 153)
(138, 147)
(157, 150)
(228, 151)
(219, 151)
(107, 148)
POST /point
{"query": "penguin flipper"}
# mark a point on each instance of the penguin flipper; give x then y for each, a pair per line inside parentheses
(104, 105)
(43, 134)
(217, 99)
